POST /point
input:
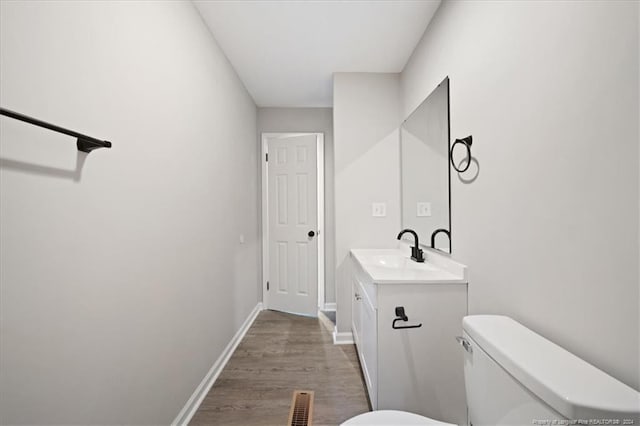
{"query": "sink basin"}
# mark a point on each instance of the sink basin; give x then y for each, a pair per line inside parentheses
(387, 266)
(396, 261)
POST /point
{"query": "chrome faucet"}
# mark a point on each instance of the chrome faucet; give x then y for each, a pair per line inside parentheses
(416, 253)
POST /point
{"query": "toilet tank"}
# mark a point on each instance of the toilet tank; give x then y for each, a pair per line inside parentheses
(514, 376)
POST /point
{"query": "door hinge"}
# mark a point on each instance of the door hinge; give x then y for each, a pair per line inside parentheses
(266, 157)
(267, 285)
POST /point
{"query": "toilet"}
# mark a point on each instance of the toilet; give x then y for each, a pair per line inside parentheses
(391, 417)
(514, 376)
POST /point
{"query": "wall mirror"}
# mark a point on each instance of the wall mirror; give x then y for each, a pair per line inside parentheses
(425, 179)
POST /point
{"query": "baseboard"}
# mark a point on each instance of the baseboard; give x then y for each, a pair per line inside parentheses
(326, 322)
(190, 408)
(342, 338)
(329, 307)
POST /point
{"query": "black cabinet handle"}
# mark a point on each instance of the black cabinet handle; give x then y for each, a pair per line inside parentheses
(311, 234)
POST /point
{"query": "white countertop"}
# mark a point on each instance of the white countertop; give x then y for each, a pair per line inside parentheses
(394, 266)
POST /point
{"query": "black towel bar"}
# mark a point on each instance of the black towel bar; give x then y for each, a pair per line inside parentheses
(85, 143)
(402, 317)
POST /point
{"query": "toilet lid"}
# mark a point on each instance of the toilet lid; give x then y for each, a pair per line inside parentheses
(392, 418)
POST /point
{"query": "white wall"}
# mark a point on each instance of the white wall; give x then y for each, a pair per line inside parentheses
(366, 117)
(121, 288)
(311, 120)
(549, 229)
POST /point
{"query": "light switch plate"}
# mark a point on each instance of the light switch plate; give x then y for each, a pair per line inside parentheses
(424, 209)
(379, 209)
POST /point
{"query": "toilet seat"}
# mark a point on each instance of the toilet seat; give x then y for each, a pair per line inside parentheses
(392, 418)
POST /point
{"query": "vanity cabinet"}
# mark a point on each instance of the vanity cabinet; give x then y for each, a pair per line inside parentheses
(414, 369)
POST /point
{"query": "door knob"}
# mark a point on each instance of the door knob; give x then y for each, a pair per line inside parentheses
(311, 234)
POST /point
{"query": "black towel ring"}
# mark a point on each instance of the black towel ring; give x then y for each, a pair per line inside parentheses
(467, 144)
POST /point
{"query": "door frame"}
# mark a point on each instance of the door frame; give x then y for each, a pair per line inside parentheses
(265, 211)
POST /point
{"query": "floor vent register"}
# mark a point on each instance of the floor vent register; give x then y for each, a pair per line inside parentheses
(301, 413)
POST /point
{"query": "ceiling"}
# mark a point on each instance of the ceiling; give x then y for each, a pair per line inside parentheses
(287, 51)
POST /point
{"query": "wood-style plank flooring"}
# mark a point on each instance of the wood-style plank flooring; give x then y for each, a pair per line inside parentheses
(279, 354)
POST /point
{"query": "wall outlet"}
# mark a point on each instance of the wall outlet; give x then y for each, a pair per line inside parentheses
(241, 238)
(379, 209)
(424, 209)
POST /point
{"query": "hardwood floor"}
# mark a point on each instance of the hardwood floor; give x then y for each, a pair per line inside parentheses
(279, 354)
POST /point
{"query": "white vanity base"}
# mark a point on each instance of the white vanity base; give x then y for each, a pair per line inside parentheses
(419, 370)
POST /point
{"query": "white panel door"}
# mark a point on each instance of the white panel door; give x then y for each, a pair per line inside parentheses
(293, 224)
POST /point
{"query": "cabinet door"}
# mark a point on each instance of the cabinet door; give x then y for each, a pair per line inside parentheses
(356, 316)
(370, 348)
